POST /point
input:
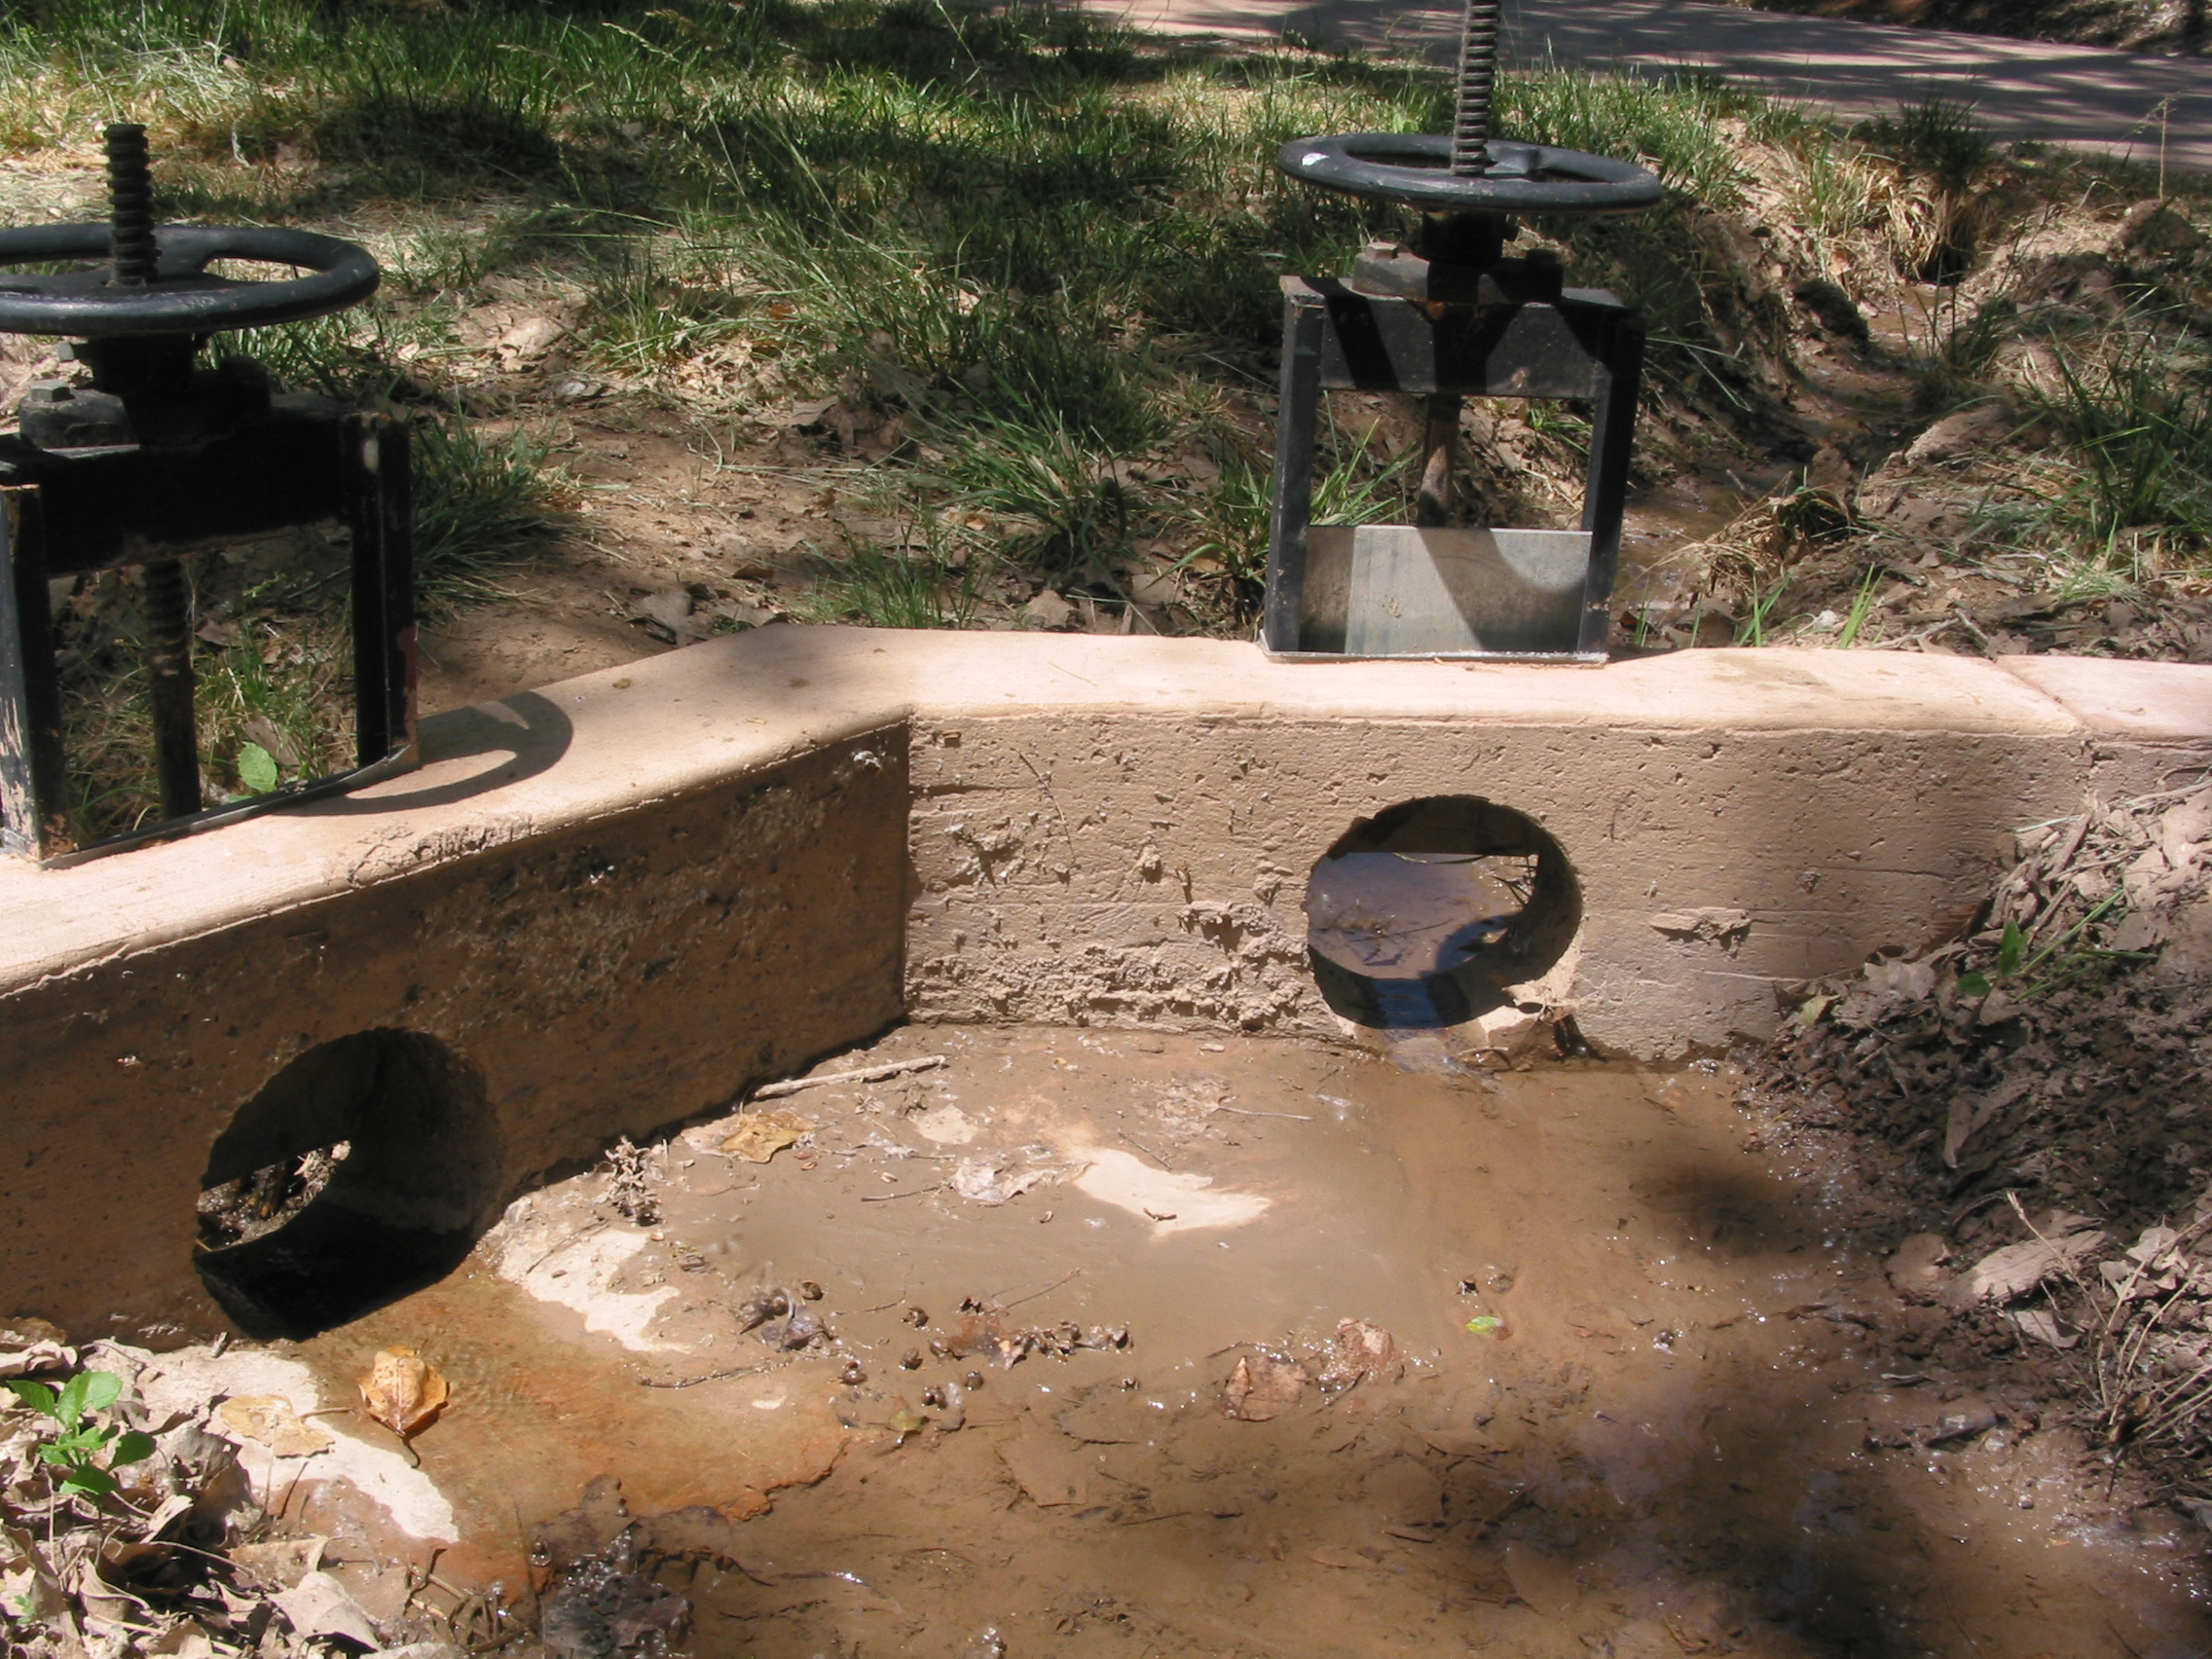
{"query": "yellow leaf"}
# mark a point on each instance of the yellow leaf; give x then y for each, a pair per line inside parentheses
(760, 1135)
(402, 1392)
(269, 1419)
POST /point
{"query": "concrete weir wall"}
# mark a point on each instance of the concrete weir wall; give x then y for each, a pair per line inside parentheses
(617, 901)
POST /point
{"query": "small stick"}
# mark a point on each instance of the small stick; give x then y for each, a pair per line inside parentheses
(1294, 1117)
(1035, 1294)
(1149, 1153)
(695, 1382)
(865, 1074)
(910, 1193)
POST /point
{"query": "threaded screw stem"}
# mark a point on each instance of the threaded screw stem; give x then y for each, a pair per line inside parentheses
(131, 206)
(1477, 71)
(168, 663)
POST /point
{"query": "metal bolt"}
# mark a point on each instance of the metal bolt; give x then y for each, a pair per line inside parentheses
(1477, 70)
(130, 206)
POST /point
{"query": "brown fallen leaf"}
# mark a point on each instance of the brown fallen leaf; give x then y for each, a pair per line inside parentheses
(278, 1566)
(1546, 1582)
(1360, 1351)
(402, 1391)
(1346, 1560)
(760, 1135)
(1045, 1467)
(1263, 1387)
(270, 1420)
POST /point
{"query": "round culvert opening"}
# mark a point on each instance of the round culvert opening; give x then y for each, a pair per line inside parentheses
(363, 1172)
(1425, 915)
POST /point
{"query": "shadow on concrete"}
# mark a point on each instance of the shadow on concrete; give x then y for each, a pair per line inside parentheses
(530, 729)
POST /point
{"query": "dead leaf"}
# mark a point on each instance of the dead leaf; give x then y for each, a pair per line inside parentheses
(1044, 1466)
(403, 1391)
(187, 1638)
(1406, 1491)
(278, 1566)
(1362, 1351)
(320, 1606)
(760, 1135)
(2046, 1326)
(270, 1420)
(2017, 1269)
(1546, 1582)
(1109, 1418)
(1263, 1387)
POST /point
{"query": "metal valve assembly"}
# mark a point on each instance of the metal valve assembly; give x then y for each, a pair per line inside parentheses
(160, 458)
(1447, 318)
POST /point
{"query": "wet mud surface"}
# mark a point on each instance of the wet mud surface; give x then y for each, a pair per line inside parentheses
(1530, 1363)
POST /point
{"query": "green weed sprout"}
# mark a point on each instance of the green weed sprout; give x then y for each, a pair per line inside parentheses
(2012, 956)
(76, 1450)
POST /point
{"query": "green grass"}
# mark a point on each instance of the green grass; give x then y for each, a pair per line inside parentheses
(895, 587)
(1357, 484)
(1044, 246)
(482, 505)
(1031, 188)
(2133, 495)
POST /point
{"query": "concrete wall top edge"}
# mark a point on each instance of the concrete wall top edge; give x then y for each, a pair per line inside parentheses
(2147, 702)
(573, 753)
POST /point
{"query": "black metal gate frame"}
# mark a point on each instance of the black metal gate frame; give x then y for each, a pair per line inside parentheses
(1584, 344)
(63, 513)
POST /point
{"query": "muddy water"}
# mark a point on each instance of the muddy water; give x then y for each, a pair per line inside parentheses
(1410, 916)
(1628, 1407)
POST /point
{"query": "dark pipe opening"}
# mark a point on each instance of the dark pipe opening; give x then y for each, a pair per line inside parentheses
(1424, 914)
(363, 1172)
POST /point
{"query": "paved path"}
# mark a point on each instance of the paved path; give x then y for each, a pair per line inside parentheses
(2077, 95)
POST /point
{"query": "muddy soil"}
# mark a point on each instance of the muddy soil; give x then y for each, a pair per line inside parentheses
(1122, 1344)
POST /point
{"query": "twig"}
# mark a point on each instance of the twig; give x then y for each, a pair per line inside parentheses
(580, 1232)
(910, 1193)
(1035, 1294)
(1148, 1152)
(1242, 1112)
(695, 1382)
(865, 1074)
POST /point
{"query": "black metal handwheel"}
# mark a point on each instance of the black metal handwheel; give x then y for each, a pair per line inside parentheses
(1417, 169)
(182, 296)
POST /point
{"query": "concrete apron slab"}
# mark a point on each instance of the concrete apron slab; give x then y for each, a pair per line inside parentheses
(614, 903)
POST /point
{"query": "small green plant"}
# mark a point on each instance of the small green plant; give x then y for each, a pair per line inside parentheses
(1357, 485)
(2066, 957)
(257, 769)
(2011, 955)
(75, 1452)
(1753, 630)
(1862, 607)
